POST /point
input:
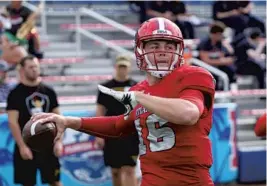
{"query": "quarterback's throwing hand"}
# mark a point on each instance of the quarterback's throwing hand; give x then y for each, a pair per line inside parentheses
(126, 98)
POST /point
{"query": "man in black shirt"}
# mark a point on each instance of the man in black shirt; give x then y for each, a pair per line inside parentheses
(245, 7)
(237, 15)
(228, 13)
(214, 52)
(171, 10)
(120, 154)
(251, 57)
(31, 96)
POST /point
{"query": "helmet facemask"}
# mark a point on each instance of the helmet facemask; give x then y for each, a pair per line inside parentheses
(156, 67)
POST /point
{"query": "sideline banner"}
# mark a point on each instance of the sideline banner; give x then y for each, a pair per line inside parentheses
(82, 163)
(223, 138)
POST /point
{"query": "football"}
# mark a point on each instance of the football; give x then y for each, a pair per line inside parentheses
(39, 136)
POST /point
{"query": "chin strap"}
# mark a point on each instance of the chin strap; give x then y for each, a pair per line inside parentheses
(159, 74)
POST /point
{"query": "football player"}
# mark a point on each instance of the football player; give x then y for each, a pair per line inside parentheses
(260, 126)
(171, 111)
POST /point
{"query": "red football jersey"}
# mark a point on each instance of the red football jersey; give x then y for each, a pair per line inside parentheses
(260, 127)
(172, 154)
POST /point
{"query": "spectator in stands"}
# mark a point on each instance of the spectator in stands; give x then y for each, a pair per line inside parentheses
(4, 20)
(10, 52)
(119, 153)
(215, 52)
(171, 10)
(245, 7)
(31, 96)
(139, 7)
(236, 15)
(250, 53)
(4, 86)
(19, 14)
(228, 13)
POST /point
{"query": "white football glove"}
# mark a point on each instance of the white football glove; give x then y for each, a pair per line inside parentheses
(126, 98)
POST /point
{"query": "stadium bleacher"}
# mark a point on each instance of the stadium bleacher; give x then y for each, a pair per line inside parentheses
(85, 70)
(75, 75)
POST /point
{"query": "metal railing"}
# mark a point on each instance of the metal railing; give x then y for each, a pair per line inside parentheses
(79, 30)
(123, 28)
(104, 42)
(109, 21)
(131, 32)
(82, 32)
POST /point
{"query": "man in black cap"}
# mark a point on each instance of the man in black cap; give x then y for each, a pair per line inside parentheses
(121, 153)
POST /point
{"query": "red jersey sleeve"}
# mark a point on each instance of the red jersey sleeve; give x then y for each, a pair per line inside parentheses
(194, 96)
(260, 127)
(199, 79)
(112, 126)
(104, 127)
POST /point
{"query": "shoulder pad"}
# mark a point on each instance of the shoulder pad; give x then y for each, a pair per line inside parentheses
(197, 78)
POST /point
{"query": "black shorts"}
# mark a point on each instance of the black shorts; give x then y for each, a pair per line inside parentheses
(122, 151)
(25, 170)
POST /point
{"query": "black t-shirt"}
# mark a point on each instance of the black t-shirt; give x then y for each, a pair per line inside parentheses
(205, 45)
(18, 17)
(159, 6)
(177, 7)
(29, 100)
(163, 6)
(223, 6)
(114, 107)
(241, 51)
(243, 3)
